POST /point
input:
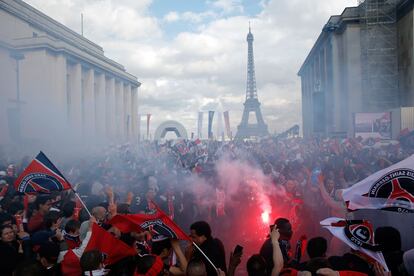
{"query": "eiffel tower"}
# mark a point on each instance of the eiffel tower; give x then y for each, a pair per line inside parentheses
(259, 128)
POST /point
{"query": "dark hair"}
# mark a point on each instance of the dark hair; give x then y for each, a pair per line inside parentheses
(15, 207)
(123, 208)
(28, 268)
(316, 263)
(317, 247)
(72, 225)
(41, 200)
(91, 260)
(281, 221)
(201, 228)
(256, 266)
(2, 227)
(145, 263)
(196, 267)
(5, 217)
(388, 238)
(49, 251)
(51, 218)
(68, 209)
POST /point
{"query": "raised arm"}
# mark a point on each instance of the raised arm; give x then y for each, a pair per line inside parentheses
(277, 253)
(337, 206)
(175, 244)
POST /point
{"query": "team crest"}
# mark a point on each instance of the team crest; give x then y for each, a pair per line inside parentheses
(158, 229)
(361, 234)
(396, 186)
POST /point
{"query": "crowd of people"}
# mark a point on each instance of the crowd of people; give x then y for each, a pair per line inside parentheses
(220, 193)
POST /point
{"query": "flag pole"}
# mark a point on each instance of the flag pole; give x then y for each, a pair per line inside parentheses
(83, 203)
(205, 256)
(199, 249)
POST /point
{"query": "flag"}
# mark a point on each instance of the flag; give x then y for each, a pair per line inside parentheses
(41, 176)
(390, 189)
(357, 234)
(148, 124)
(182, 147)
(200, 125)
(158, 223)
(227, 123)
(210, 124)
(112, 248)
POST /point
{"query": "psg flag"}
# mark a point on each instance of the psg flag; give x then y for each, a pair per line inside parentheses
(158, 224)
(41, 176)
(112, 248)
(390, 189)
(357, 234)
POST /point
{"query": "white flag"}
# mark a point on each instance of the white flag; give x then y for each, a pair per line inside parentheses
(357, 234)
(390, 189)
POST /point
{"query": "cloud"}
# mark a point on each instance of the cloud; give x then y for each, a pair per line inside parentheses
(203, 67)
(189, 16)
(228, 6)
(171, 16)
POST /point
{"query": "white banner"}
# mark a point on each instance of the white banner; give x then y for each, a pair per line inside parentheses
(357, 234)
(390, 189)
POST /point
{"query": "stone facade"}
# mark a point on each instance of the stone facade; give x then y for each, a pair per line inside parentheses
(331, 75)
(56, 84)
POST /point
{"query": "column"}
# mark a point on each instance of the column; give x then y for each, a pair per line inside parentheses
(119, 109)
(134, 114)
(100, 120)
(55, 79)
(76, 101)
(127, 110)
(110, 108)
(89, 102)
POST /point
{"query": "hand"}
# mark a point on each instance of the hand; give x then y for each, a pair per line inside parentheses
(110, 194)
(115, 231)
(220, 272)
(275, 235)
(175, 243)
(59, 235)
(327, 272)
(235, 259)
(380, 271)
(92, 220)
(130, 196)
(112, 209)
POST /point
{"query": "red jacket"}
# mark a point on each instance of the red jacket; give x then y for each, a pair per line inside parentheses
(35, 222)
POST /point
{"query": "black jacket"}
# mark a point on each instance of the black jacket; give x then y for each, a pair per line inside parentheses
(214, 250)
(267, 253)
(10, 256)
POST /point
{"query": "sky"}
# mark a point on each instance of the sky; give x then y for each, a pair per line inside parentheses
(191, 55)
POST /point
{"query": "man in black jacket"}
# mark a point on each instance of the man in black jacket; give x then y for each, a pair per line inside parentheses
(285, 230)
(212, 247)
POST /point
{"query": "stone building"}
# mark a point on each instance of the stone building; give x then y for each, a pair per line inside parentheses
(56, 85)
(361, 62)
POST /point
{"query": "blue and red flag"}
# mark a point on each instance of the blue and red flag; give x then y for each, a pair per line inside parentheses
(158, 224)
(41, 176)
